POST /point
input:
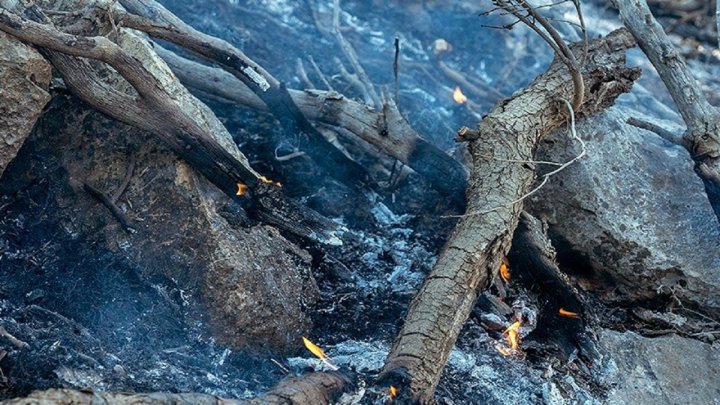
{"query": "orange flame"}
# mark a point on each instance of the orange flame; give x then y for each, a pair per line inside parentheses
(242, 189)
(318, 352)
(505, 270)
(458, 96)
(393, 392)
(513, 340)
(268, 181)
(513, 334)
(569, 314)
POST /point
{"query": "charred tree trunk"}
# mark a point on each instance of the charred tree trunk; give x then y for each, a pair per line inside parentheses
(502, 151)
(702, 137)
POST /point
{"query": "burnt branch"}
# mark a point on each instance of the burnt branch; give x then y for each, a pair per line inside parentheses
(702, 138)
(155, 110)
(152, 18)
(309, 389)
(389, 132)
(472, 256)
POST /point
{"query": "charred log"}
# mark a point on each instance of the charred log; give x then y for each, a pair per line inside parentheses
(310, 389)
(502, 150)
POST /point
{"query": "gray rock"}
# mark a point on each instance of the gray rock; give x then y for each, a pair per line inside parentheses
(24, 80)
(632, 211)
(662, 370)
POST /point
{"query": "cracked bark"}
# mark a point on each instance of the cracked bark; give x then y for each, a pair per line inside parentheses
(472, 256)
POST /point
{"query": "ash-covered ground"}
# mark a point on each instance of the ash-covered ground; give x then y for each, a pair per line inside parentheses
(94, 321)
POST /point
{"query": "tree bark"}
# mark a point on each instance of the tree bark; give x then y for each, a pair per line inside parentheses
(702, 138)
(386, 130)
(501, 176)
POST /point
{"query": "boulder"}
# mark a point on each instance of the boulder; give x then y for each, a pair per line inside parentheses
(24, 77)
(633, 212)
(669, 369)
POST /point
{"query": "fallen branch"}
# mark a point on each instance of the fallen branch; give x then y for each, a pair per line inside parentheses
(309, 389)
(702, 138)
(473, 254)
(158, 112)
(391, 134)
(151, 17)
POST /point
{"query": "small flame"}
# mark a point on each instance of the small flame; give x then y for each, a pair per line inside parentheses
(569, 314)
(393, 392)
(318, 352)
(513, 334)
(242, 189)
(505, 270)
(268, 181)
(513, 340)
(458, 96)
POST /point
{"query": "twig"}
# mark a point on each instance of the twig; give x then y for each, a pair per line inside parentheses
(107, 201)
(126, 181)
(351, 56)
(320, 74)
(657, 129)
(302, 74)
(395, 69)
(15, 341)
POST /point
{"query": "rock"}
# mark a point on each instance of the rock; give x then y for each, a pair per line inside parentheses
(25, 77)
(631, 211)
(668, 369)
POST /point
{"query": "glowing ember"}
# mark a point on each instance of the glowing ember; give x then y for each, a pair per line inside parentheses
(566, 313)
(505, 270)
(393, 391)
(318, 352)
(268, 181)
(458, 96)
(242, 189)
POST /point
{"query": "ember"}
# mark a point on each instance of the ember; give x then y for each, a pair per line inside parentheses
(458, 96)
(392, 391)
(512, 334)
(568, 314)
(505, 270)
(268, 181)
(242, 189)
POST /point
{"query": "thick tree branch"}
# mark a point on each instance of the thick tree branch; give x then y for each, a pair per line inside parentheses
(471, 257)
(309, 389)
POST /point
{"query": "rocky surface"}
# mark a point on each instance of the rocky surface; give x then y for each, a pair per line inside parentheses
(25, 77)
(653, 233)
(667, 370)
